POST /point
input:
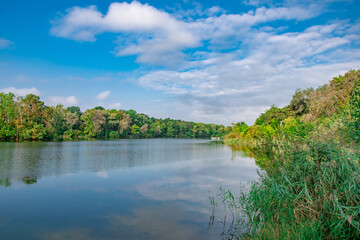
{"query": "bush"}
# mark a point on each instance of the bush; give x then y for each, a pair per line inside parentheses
(355, 112)
(114, 135)
(300, 102)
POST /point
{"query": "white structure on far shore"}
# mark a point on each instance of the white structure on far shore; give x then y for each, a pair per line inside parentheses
(215, 138)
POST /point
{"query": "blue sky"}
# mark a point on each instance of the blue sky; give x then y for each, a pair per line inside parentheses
(205, 61)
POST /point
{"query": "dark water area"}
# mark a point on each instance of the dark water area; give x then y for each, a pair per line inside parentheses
(124, 189)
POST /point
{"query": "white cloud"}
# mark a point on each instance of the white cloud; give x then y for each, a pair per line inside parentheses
(66, 101)
(264, 63)
(116, 105)
(4, 43)
(228, 88)
(21, 91)
(103, 95)
(178, 82)
(156, 36)
(214, 10)
(161, 33)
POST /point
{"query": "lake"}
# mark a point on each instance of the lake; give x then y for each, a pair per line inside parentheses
(122, 189)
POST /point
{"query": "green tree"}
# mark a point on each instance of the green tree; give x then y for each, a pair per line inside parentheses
(31, 113)
(170, 132)
(300, 102)
(135, 129)
(355, 111)
(94, 121)
(55, 118)
(75, 109)
(8, 114)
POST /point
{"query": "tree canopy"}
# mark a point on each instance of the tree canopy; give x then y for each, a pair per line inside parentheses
(28, 118)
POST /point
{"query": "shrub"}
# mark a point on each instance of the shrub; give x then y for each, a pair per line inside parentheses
(114, 135)
(355, 112)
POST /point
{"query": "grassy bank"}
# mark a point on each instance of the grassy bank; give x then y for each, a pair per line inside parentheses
(310, 151)
(313, 194)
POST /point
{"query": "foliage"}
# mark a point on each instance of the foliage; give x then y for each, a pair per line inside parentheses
(355, 112)
(311, 188)
(29, 119)
(332, 98)
(272, 116)
(300, 103)
(308, 112)
(7, 116)
(315, 194)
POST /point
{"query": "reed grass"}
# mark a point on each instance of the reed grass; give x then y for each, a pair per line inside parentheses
(311, 192)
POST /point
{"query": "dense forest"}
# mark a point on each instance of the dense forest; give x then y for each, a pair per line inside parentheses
(310, 150)
(28, 118)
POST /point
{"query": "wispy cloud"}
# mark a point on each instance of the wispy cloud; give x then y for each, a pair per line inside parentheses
(21, 91)
(241, 86)
(66, 101)
(103, 95)
(116, 105)
(4, 43)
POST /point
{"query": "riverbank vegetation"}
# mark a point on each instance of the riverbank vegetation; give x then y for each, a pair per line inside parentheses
(28, 118)
(310, 151)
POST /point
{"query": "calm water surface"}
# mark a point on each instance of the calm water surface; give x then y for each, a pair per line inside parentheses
(126, 189)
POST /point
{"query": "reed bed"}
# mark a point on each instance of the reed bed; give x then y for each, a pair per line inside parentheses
(311, 192)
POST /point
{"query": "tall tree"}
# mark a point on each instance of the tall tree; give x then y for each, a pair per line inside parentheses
(31, 112)
(7, 116)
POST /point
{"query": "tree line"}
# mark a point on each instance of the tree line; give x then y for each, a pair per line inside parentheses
(28, 118)
(331, 110)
